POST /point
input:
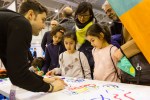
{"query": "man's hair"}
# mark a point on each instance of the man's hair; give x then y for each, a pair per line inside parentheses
(106, 3)
(32, 5)
(67, 11)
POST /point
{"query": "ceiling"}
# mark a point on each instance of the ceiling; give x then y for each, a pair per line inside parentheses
(53, 5)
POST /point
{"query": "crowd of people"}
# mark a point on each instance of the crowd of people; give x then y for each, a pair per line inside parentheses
(78, 46)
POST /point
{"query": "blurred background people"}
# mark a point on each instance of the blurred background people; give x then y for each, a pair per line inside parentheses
(47, 37)
(68, 21)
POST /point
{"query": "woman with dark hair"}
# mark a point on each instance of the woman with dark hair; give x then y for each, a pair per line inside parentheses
(84, 18)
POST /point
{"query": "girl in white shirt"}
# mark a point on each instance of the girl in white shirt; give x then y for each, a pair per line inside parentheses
(72, 62)
(105, 64)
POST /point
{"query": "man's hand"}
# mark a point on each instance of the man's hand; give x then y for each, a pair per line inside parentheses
(58, 85)
(51, 79)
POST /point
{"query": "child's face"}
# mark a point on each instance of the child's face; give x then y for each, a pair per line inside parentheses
(95, 41)
(57, 38)
(69, 45)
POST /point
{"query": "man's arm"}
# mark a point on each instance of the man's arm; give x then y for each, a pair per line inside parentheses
(130, 48)
(18, 43)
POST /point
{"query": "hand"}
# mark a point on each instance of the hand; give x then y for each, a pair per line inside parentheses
(58, 85)
(50, 73)
(51, 79)
(118, 54)
(40, 73)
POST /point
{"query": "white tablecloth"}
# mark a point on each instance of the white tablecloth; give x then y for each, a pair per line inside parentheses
(80, 89)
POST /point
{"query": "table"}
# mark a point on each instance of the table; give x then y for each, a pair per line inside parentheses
(82, 89)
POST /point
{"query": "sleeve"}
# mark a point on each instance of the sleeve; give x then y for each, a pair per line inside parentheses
(86, 66)
(58, 70)
(47, 61)
(44, 40)
(18, 43)
(130, 48)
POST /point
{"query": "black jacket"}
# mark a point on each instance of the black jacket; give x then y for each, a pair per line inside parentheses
(46, 40)
(15, 39)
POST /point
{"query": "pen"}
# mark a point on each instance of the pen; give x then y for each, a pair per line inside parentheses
(38, 68)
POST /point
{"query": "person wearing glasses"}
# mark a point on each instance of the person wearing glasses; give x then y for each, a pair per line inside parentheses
(84, 18)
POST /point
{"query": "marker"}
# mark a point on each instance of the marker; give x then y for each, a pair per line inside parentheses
(63, 78)
(1, 80)
(38, 68)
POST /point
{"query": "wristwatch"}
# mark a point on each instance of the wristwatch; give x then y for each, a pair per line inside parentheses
(51, 88)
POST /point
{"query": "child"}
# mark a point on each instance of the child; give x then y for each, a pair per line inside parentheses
(72, 62)
(105, 64)
(53, 50)
(36, 65)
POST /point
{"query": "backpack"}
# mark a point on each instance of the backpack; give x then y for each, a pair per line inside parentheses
(142, 68)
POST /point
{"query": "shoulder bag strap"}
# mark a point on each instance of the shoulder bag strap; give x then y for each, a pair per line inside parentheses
(81, 66)
(114, 64)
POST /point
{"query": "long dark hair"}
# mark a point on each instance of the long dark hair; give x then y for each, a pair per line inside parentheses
(96, 29)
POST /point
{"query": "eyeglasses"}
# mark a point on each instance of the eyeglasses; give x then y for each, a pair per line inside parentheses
(84, 16)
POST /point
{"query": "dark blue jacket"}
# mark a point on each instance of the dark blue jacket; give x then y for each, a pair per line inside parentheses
(52, 56)
(46, 40)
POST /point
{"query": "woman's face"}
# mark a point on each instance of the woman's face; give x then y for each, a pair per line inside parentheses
(84, 17)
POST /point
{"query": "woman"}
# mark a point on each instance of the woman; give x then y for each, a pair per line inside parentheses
(84, 18)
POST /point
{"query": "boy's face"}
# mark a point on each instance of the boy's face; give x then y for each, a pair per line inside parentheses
(69, 45)
(38, 23)
(57, 38)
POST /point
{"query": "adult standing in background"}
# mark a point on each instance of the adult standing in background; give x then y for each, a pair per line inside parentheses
(15, 37)
(129, 49)
(128, 46)
(84, 18)
(68, 21)
(47, 37)
(34, 53)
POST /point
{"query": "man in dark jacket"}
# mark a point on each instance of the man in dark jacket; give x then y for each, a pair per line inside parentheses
(47, 37)
(15, 37)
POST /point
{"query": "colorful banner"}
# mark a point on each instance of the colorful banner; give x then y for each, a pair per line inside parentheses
(134, 14)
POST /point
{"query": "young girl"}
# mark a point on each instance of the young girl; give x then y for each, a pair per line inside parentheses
(72, 62)
(105, 64)
(53, 50)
